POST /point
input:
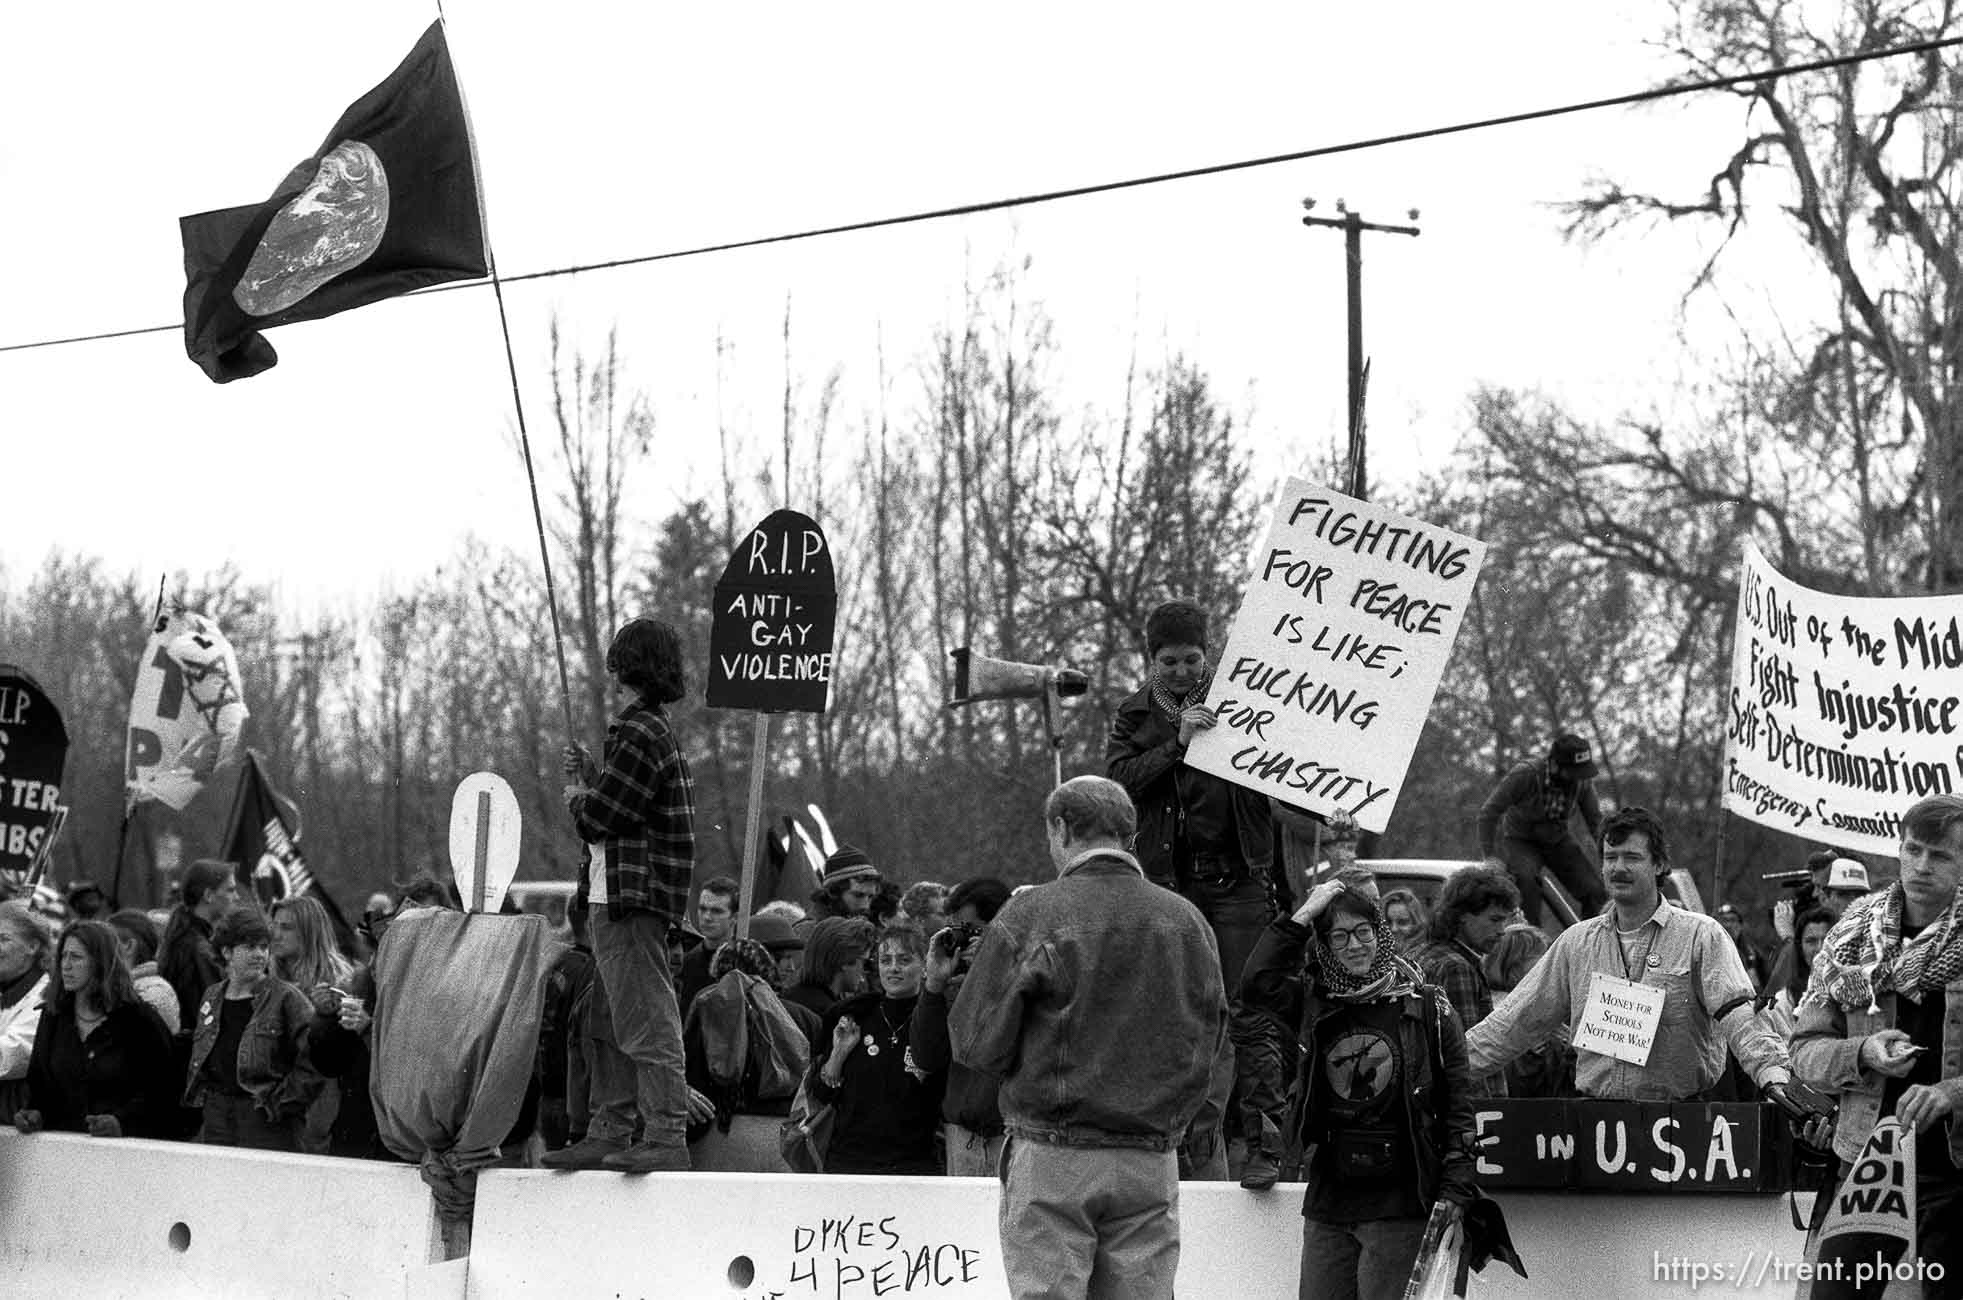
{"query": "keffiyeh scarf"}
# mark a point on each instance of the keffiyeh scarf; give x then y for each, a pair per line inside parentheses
(1865, 956)
(1388, 976)
(1171, 705)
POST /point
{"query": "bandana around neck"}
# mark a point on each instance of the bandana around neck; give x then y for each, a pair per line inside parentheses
(1865, 956)
(1171, 705)
(1388, 976)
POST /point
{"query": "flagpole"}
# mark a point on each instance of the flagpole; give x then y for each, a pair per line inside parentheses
(531, 480)
(129, 802)
(517, 404)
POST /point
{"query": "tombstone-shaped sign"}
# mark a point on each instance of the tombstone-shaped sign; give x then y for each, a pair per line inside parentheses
(483, 840)
(33, 749)
(776, 609)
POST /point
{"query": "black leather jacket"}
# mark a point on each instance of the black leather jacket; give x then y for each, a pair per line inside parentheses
(1437, 1093)
(1144, 756)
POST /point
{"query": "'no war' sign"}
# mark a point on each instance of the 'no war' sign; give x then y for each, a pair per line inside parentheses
(776, 610)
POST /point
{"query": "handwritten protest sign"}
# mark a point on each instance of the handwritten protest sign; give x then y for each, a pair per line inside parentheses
(1619, 1019)
(1327, 673)
(1626, 1146)
(33, 749)
(1870, 1229)
(776, 609)
(1843, 710)
(1878, 1195)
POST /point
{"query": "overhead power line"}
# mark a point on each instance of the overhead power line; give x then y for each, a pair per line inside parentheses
(1139, 182)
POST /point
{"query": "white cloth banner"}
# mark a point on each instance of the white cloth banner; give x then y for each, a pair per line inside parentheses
(1327, 674)
(1844, 710)
(186, 713)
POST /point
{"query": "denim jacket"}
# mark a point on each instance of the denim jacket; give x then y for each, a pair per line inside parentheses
(1826, 1051)
(1097, 1000)
(1439, 1108)
(275, 1065)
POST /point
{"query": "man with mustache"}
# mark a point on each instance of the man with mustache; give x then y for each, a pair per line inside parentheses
(1881, 1024)
(1646, 940)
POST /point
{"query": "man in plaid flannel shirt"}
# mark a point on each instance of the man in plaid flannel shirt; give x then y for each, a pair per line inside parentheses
(1472, 910)
(636, 813)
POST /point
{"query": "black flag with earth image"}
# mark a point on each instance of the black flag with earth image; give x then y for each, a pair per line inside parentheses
(388, 204)
(263, 841)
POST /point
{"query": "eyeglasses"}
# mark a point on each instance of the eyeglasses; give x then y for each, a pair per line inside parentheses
(1362, 936)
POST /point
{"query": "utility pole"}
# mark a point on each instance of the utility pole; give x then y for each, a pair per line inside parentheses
(1353, 225)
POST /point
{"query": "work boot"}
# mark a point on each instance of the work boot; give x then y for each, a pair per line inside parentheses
(587, 1153)
(1262, 1171)
(1263, 1168)
(649, 1158)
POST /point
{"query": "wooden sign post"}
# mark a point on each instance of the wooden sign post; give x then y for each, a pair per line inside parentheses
(770, 647)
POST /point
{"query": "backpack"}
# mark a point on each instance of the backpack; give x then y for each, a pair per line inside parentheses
(779, 1053)
(748, 1038)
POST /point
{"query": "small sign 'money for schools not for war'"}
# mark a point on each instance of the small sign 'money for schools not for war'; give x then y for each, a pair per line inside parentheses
(776, 611)
(1328, 672)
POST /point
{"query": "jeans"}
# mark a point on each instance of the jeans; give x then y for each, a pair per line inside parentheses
(1089, 1222)
(969, 1154)
(1564, 857)
(231, 1121)
(1237, 912)
(632, 957)
(1359, 1261)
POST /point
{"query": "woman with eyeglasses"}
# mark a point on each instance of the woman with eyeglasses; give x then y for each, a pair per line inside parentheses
(1383, 1099)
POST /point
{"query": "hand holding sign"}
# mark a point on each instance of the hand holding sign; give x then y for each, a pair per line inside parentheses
(484, 825)
(1328, 671)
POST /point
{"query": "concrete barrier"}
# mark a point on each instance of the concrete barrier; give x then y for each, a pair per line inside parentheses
(744, 1237)
(106, 1219)
(127, 1218)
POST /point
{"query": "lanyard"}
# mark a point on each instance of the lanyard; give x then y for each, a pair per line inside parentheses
(1623, 952)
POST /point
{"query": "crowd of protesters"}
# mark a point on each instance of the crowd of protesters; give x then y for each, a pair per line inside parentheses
(1292, 1016)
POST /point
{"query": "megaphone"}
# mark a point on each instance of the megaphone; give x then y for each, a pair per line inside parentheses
(978, 677)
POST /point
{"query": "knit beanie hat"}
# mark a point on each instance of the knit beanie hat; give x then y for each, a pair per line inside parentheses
(845, 863)
(1177, 622)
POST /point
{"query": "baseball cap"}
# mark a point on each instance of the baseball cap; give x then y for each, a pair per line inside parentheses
(1847, 874)
(1571, 755)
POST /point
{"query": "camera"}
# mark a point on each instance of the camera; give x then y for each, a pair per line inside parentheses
(962, 933)
(959, 934)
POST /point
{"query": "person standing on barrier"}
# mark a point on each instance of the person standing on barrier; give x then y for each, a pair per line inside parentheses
(1209, 839)
(1383, 1091)
(1524, 825)
(1648, 942)
(1097, 1000)
(1881, 1025)
(636, 812)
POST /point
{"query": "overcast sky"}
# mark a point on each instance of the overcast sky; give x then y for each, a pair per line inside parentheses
(611, 130)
